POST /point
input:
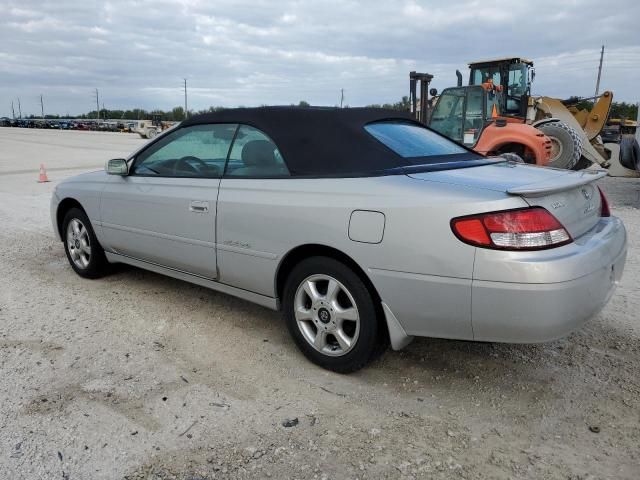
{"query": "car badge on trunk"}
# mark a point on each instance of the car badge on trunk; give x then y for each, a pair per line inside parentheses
(587, 194)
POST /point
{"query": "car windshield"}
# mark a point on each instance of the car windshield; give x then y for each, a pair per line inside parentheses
(415, 143)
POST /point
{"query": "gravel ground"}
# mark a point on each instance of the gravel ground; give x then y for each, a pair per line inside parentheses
(138, 376)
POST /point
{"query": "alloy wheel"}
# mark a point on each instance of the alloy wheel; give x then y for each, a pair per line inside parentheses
(327, 315)
(78, 243)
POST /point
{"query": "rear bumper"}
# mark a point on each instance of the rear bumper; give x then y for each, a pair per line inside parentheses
(538, 312)
(525, 297)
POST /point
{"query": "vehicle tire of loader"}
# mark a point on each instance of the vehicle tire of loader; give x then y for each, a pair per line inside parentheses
(151, 133)
(306, 316)
(630, 153)
(567, 144)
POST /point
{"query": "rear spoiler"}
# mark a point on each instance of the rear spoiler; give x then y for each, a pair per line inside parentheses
(557, 184)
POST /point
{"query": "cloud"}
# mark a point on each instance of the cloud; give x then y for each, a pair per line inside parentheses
(239, 52)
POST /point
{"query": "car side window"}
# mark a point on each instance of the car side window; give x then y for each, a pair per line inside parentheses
(199, 151)
(255, 155)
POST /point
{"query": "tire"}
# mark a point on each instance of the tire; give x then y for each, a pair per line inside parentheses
(152, 133)
(630, 153)
(340, 332)
(567, 144)
(84, 253)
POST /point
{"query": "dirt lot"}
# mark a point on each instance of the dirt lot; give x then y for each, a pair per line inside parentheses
(139, 376)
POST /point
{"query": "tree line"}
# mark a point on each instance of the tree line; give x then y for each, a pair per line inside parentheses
(625, 110)
(177, 114)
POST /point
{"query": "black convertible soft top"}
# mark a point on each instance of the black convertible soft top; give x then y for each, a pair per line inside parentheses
(319, 140)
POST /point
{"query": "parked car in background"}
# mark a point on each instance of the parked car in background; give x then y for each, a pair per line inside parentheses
(363, 226)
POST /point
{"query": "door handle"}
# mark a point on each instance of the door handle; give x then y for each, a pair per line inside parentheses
(197, 206)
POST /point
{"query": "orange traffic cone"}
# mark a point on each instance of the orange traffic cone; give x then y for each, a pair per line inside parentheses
(43, 174)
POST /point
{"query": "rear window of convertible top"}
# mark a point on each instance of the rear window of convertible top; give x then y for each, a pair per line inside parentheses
(417, 144)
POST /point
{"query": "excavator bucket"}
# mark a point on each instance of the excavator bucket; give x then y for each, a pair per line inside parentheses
(594, 120)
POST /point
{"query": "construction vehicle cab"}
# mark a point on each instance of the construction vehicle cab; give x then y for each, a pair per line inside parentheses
(461, 113)
(513, 76)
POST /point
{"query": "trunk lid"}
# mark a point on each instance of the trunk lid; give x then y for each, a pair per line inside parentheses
(572, 197)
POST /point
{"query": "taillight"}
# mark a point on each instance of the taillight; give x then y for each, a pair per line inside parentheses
(604, 204)
(524, 229)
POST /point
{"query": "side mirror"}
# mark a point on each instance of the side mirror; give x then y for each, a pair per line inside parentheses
(117, 166)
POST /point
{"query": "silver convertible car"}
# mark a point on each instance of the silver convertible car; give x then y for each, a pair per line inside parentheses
(363, 226)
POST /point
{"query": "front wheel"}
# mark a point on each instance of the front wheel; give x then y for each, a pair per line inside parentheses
(84, 253)
(331, 315)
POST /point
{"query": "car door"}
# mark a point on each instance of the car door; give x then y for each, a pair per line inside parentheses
(250, 205)
(164, 210)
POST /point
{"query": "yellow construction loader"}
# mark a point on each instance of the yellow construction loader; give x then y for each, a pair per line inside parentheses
(574, 133)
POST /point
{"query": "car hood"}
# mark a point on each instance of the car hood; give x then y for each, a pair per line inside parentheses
(97, 175)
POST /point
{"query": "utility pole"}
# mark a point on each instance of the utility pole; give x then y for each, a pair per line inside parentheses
(186, 111)
(19, 109)
(599, 72)
(42, 106)
(97, 106)
(13, 112)
(104, 112)
(638, 123)
(341, 96)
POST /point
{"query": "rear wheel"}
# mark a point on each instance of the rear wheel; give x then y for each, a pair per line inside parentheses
(331, 315)
(566, 144)
(84, 253)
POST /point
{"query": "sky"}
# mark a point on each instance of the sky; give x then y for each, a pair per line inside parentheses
(249, 53)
